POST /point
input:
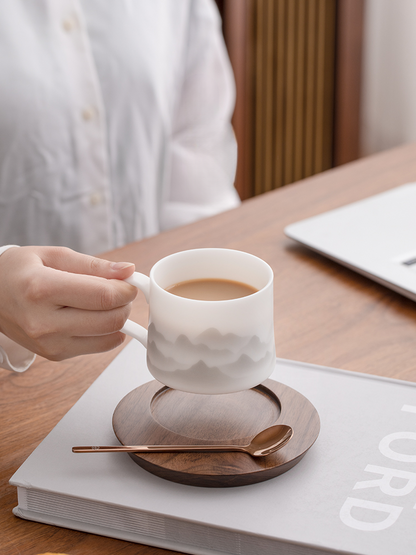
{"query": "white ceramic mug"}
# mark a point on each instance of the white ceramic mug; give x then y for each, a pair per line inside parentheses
(207, 347)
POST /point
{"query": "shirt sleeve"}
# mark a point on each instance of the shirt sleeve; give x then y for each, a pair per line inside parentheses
(12, 355)
(203, 149)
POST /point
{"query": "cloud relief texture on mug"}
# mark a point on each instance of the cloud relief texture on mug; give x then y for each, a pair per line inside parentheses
(210, 357)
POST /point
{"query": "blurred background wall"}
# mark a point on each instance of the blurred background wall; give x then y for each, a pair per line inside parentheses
(319, 83)
(388, 114)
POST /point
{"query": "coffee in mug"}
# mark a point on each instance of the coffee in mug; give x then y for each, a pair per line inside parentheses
(211, 289)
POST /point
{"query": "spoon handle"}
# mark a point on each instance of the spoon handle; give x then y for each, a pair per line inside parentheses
(155, 448)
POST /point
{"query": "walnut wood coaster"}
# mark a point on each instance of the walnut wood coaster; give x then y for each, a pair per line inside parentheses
(155, 414)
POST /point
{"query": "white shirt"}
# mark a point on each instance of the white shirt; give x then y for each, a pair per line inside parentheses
(114, 120)
(114, 123)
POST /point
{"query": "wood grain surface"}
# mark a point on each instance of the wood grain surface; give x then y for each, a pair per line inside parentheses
(324, 314)
(154, 414)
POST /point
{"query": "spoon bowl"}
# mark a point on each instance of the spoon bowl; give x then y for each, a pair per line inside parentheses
(269, 440)
(264, 443)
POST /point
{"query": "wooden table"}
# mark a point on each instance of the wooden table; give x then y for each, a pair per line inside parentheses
(324, 314)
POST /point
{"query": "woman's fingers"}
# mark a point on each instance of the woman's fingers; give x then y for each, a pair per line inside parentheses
(58, 276)
(60, 288)
(59, 303)
(75, 332)
(77, 323)
(67, 260)
(58, 348)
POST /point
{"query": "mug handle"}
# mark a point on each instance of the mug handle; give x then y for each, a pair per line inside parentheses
(130, 328)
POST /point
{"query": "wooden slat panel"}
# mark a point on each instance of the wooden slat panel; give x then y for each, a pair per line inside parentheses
(350, 14)
(320, 83)
(310, 87)
(268, 95)
(290, 90)
(300, 91)
(329, 89)
(325, 88)
(294, 43)
(258, 20)
(279, 93)
(284, 63)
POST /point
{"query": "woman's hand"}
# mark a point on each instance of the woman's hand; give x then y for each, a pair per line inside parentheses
(60, 304)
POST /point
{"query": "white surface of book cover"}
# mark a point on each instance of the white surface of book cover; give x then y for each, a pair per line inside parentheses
(354, 492)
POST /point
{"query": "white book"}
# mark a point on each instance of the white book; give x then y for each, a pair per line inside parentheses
(353, 493)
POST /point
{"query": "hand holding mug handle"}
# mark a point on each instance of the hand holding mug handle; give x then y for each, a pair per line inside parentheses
(130, 328)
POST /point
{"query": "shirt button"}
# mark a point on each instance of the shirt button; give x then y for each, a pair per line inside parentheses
(96, 198)
(88, 114)
(69, 24)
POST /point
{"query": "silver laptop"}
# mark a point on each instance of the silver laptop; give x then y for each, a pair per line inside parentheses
(375, 236)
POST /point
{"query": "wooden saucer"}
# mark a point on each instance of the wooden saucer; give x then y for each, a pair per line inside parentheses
(155, 414)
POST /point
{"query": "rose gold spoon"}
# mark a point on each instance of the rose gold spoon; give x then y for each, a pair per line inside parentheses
(266, 442)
